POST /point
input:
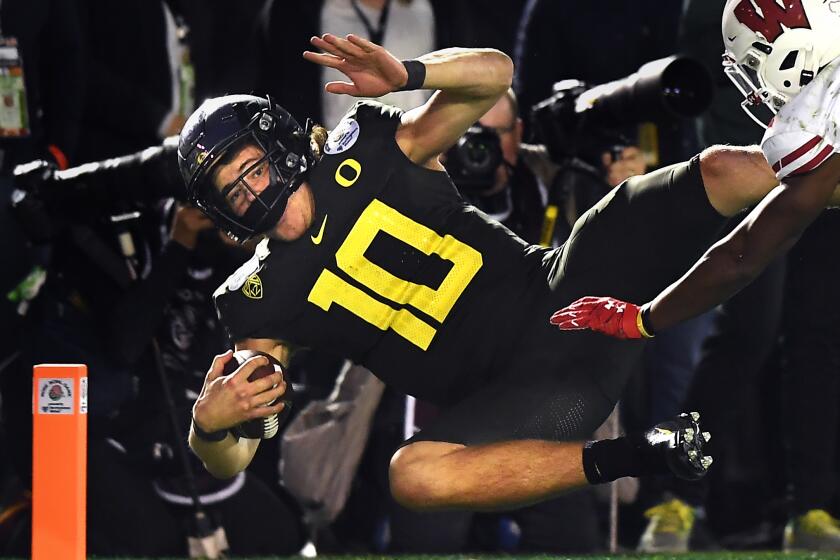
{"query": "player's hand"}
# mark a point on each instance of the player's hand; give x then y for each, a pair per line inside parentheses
(188, 222)
(605, 315)
(630, 163)
(372, 70)
(228, 400)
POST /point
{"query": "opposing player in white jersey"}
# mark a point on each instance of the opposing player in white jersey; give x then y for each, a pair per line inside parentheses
(787, 59)
(806, 132)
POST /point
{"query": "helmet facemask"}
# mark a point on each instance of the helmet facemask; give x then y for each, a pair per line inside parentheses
(747, 80)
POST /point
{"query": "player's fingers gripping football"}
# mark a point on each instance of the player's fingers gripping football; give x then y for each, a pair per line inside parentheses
(226, 399)
(255, 395)
(212, 407)
(265, 390)
(263, 404)
(217, 368)
(245, 370)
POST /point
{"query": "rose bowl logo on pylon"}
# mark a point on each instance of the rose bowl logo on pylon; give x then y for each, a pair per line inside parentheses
(56, 392)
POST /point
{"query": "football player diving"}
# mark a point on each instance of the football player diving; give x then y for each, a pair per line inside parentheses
(369, 252)
(788, 59)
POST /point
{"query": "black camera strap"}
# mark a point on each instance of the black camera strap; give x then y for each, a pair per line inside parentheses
(375, 34)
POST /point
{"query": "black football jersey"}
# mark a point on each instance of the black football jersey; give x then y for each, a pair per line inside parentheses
(396, 273)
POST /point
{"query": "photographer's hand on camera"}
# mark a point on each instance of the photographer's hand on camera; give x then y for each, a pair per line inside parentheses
(630, 163)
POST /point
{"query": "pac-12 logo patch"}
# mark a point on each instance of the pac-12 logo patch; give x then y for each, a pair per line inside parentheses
(253, 287)
(342, 137)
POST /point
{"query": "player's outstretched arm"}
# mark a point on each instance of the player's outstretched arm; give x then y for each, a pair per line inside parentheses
(228, 400)
(470, 81)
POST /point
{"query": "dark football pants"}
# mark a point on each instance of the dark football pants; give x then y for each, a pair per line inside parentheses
(557, 385)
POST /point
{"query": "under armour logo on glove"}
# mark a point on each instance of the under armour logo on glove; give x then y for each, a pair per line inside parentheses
(605, 315)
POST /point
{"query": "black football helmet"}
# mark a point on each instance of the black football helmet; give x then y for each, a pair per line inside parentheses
(215, 133)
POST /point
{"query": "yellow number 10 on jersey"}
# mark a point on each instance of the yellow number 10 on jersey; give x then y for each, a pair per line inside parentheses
(329, 288)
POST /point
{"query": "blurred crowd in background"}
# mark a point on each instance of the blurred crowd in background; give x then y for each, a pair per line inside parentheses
(103, 263)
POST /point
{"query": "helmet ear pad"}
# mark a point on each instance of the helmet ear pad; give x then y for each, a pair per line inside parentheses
(783, 69)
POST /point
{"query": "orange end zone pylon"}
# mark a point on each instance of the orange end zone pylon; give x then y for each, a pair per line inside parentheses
(59, 461)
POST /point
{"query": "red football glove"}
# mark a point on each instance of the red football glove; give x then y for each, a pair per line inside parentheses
(605, 315)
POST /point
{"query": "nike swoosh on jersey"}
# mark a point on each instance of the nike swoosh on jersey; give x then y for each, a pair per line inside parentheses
(316, 239)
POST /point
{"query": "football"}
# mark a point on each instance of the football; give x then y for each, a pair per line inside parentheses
(260, 428)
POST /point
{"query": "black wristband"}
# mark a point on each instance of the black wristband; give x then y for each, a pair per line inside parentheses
(212, 437)
(645, 316)
(416, 75)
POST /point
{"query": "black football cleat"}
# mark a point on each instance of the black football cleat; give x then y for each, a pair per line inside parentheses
(680, 443)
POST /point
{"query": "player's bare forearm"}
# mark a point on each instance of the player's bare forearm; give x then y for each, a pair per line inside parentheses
(477, 73)
(225, 458)
(731, 264)
(469, 82)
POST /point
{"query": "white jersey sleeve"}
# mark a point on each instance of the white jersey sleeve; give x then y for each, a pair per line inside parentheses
(807, 129)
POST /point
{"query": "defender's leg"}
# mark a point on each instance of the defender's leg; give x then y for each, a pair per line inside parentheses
(735, 177)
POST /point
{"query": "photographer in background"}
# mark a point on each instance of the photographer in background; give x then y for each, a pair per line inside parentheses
(63, 220)
(486, 167)
(599, 42)
(586, 133)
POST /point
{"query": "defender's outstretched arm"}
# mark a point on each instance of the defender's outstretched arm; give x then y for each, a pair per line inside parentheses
(735, 178)
(769, 230)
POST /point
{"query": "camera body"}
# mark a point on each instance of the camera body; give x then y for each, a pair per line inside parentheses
(473, 160)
